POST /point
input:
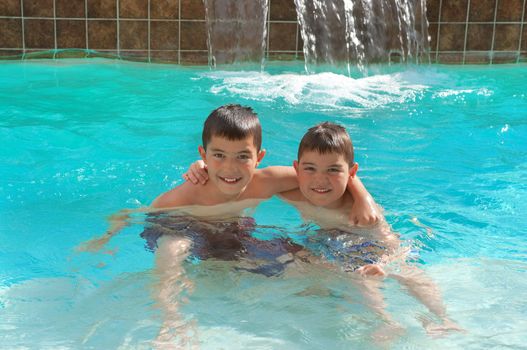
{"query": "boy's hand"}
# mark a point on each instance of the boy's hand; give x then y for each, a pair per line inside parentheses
(371, 270)
(94, 245)
(364, 212)
(197, 173)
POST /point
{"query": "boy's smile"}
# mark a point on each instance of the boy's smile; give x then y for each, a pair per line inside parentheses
(322, 178)
(231, 164)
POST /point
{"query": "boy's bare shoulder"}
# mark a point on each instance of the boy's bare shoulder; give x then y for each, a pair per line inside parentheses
(276, 171)
(182, 195)
(272, 180)
(293, 196)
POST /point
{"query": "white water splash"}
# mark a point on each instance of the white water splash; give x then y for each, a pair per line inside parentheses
(324, 90)
(462, 92)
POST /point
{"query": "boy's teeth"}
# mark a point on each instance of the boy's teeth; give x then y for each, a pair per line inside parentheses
(226, 179)
(320, 190)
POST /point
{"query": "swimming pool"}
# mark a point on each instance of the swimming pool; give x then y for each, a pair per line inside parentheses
(442, 148)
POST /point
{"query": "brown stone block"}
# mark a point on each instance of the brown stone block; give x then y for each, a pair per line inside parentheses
(194, 57)
(38, 8)
(282, 56)
(479, 37)
(193, 36)
(283, 10)
(71, 34)
(137, 56)
(477, 57)
(509, 11)
(10, 8)
(133, 9)
(454, 11)
(70, 8)
(11, 54)
(505, 57)
(39, 33)
(450, 58)
(133, 35)
(164, 9)
(112, 54)
(192, 9)
(102, 35)
(164, 56)
(164, 35)
(39, 54)
(507, 37)
(432, 10)
(451, 37)
(11, 29)
(71, 54)
(102, 9)
(482, 11)
(282, 36)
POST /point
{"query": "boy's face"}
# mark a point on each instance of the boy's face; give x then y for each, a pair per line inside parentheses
(231, 163)
(322, 178)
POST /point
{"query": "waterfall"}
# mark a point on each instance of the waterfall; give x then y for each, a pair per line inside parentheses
(346, 32)
(236, 30)
(340, 33)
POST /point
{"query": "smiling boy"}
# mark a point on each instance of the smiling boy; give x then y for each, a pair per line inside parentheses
(324, 166)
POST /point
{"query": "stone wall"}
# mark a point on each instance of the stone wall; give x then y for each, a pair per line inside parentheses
(462, 31)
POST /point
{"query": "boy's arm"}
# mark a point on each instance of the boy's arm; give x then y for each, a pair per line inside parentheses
(364, 211)
(270, 180)
(277, 179)
(117, 222)
(173, 198)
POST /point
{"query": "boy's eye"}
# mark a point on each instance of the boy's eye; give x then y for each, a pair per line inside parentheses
(334, 170)
(218, 155)
(244, 157)
(309, 168)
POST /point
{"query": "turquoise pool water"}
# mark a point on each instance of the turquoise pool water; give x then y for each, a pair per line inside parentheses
(442, 148)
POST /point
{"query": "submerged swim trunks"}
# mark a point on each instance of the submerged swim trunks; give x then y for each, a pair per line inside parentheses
(348, 250)
(230, 240)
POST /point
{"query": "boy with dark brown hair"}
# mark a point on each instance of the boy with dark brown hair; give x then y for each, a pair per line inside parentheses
(324, 166)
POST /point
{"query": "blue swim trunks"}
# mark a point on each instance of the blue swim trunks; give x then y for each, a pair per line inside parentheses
(346, 249)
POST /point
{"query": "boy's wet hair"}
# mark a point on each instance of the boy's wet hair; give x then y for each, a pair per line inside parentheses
(233, 122)
(326, 138)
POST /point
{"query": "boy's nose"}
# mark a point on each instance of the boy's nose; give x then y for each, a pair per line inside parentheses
(320, 178)
(229, 164)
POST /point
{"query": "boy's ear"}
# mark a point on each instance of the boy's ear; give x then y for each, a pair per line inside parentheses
(353, 169)
(295, 165)
(260, 156)
(202, 152)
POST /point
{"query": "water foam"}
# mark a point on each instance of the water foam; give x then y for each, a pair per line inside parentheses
(321, 91)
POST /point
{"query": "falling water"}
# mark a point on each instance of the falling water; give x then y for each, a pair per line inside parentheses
(346, 32)
(237, 30)
(335, 32)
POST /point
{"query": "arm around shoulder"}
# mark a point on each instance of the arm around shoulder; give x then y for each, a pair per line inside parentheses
(277, 179)
(364, 211)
